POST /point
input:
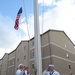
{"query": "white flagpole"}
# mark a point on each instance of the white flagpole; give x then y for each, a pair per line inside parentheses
(38, 58)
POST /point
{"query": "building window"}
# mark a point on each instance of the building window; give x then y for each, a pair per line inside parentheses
(67, 55)
(70, 73)
(24, 57)
(65, 46)
(24, 47)
(33, 43)
(33, 53)
(69, 66)
(13, 62)
(32, 65)
(18, 60)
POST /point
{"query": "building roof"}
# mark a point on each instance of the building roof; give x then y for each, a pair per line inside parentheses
(4, 56)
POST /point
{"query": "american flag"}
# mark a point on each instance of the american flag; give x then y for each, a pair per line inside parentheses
(17, 19)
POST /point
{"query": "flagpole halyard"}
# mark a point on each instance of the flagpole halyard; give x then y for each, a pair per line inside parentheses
(26, 19)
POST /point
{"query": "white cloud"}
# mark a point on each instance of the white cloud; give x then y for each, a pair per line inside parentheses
(66, 17)
(23, 19)
(9, 37)
(23, 26)
(3, 51)
(28, 28)
(62, 17)
(46, 2)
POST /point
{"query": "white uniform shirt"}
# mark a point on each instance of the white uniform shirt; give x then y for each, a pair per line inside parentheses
(48, 73)
(19, 72)
(26, 72)
(55, 73)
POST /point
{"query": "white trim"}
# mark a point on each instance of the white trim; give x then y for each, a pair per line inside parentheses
(31, 48)
(42, 58)
(41, 46)
(46, 57)
(11, 66)
(55, 57)
(62, 48)
(56, 45)
(32, 59)
(62, 58)
(45, 45)
(59, 46)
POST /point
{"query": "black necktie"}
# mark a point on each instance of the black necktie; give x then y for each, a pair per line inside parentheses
(51, 72)
(24, 73)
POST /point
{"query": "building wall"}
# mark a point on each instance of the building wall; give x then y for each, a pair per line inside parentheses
(22, 55)
(46, 50)
(31, 56)
(56, 48)
(61, 39)
(11, 63)
(62, 53)
(0, 66)
(4, 65)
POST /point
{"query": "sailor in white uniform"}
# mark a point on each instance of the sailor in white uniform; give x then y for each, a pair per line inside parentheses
(47, 71)
(50, 71)
(20, 70)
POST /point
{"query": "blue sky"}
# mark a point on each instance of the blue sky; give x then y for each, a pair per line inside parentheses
(11, 7)
(58, 15)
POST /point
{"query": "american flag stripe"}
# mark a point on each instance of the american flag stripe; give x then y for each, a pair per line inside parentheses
(17, 19)
(18, 16)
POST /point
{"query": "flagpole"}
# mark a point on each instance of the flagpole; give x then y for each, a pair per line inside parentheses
(38, 58)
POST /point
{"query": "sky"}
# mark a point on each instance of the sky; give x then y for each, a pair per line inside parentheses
(53, 14)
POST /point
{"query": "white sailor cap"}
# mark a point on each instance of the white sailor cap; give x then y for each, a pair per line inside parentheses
(20, 65)
(51, 65)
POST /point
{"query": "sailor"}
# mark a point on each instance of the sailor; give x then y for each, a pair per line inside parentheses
(19, 70)
(50, 70)
(47, 71)
(26, 72)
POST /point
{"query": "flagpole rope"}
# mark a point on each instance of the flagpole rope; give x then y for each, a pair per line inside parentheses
(42, 16)
(26, 19)
(42, 31)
